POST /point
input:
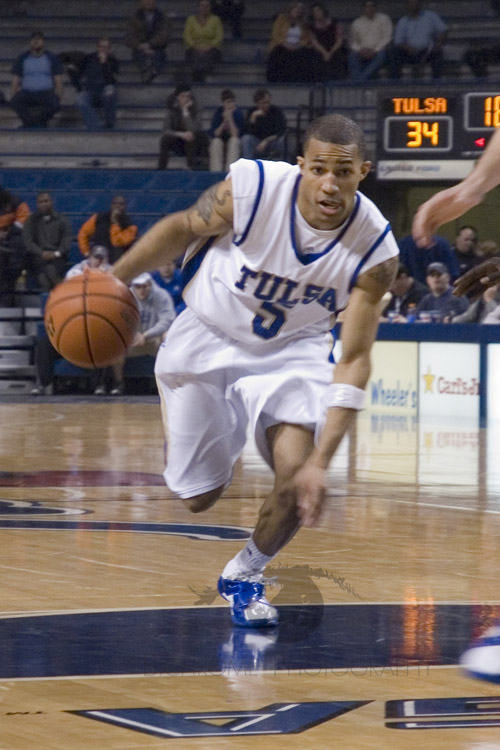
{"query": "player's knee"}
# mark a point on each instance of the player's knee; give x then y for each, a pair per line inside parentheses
(199, 503)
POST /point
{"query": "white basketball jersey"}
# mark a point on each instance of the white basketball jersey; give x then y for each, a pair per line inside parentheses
(274, 276)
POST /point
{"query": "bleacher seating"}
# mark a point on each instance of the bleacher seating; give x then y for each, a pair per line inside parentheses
(76, 24)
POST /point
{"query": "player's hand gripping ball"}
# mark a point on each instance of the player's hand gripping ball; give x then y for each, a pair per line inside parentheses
(91, 319)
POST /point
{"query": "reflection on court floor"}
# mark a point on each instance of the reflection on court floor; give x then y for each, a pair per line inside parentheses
(112, 633)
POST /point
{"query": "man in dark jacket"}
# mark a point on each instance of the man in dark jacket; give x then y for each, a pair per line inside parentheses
(405, 291)
(266, 128)
(182, 131)
(147, 35)
(47, 237)
(98, 86)
(112, 229)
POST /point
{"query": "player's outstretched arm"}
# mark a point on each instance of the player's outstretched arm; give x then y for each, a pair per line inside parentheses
(451, 203)
(212, 214)
(359, 329)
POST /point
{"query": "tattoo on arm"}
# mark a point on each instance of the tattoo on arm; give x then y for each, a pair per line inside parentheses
(207, 202)
(385, 273)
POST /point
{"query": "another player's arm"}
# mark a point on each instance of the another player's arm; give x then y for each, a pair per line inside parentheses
(451, 203)
(359, 329)
(212, 214)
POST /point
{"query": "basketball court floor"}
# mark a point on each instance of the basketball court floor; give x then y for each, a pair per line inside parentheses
(112, 634)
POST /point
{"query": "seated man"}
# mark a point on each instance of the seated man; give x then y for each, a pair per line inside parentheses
(465, 249)
(157, 314)
(182, 131)
(226, 128)
(418, 38)
(37, 84)
(417, 262)
(266, 129)
(112, 229)
(405, 291)
(98, 86)
(440, 304)
(369, 40)
(147, 35)
(47, 237)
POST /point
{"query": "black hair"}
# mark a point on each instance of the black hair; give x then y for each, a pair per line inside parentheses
(334, 128)
(182, 88)
(260, 94)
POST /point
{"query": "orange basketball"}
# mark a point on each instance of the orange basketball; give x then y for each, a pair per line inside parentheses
(91, 318)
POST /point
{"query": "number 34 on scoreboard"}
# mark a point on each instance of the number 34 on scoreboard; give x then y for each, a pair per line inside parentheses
(434, 130)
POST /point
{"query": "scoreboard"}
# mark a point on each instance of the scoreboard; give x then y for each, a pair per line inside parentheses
(433, 137)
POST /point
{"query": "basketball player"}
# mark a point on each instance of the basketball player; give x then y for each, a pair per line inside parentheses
(482, 659)
(273, 253)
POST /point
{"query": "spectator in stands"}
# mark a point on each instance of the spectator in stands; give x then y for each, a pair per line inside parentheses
(113, 229)
(47, 237)
(405, 291)
(440, 302)
(226, 129)
(182, 131)
(45, 354)
(157, 315)
(98, 259)
(147, 36)
(37, 84)
(266, 129)
(479, 310)
(169, 277)
(203, 36)
(98, 86)
(12, 260)
(369, 42)
(417, 261)
(290, 54)
(232, 12)
(13, 210)
(465, 249)
(328, 41)
(418, 39)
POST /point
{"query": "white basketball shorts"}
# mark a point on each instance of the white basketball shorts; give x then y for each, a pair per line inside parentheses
(212, 388)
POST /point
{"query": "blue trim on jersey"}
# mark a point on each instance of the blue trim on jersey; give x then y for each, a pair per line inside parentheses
(189, 270)
(307, 258)
(367, 255)
(331, 357)
(255, 205)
